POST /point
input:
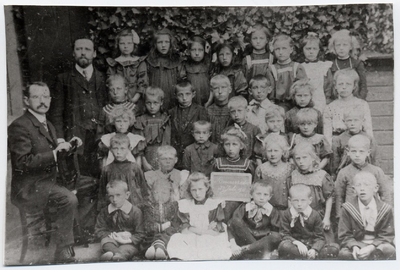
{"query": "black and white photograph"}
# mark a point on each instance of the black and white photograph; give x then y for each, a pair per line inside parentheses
(199, 133)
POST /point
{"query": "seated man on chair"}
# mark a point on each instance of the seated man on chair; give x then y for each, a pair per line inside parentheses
(32, 143)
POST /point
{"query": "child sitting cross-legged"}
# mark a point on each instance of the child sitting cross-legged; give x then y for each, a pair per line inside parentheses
(254, 226)
(125, 170)
(301, 228)
(199, 156)
(202, 233)
(119, 225)
(366, 226)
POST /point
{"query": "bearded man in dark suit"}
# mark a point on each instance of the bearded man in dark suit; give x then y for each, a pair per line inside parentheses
(78, 98)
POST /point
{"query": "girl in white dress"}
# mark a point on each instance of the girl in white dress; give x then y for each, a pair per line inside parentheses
(203, 235)
(317, 71)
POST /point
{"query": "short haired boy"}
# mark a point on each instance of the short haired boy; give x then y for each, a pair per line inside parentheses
(366, 226)
(199, 156)
(254, 226)
(359, 150)
(218, 112)
(354, 120)
(302, 229)
(119, 225)
(183, 116)
(237, 109)
(260, 88)
(123, 169)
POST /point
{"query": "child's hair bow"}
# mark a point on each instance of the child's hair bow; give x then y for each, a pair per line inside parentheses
(136, 39)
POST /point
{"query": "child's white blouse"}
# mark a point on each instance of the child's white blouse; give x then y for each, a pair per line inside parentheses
(316, 72)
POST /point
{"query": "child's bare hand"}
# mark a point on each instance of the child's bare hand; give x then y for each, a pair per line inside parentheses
(326, 224)
(356, 250)
(125, 235)
(311, 254)
(236, 250)
(117, 237)
(365, 252)
(301, 247)
(212, 225)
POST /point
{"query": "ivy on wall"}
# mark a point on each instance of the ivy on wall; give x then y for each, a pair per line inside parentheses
(372, 22)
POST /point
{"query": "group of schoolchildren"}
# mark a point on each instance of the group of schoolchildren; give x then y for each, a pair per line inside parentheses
(303, 131)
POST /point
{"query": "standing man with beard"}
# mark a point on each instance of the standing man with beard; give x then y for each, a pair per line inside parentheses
(78, 98)
(33, 148)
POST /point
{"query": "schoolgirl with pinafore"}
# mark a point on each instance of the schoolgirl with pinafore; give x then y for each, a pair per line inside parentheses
(319, 72)
(284, 72)
(258, 61)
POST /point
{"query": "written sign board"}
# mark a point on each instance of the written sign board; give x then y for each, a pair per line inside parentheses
(231, 186)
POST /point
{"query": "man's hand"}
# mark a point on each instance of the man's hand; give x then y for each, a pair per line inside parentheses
(301, 247)
(77, 140)
(63, 146)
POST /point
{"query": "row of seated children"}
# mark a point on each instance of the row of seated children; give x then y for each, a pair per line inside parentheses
(328, 132)
(195, 227)
(164, 68)
(277, 172)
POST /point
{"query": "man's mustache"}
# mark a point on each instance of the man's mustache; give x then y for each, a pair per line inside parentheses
(42, 105)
